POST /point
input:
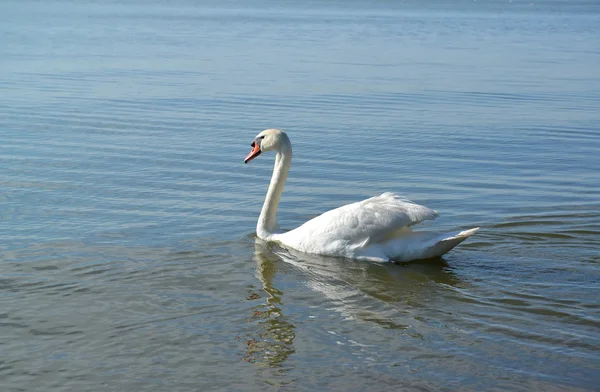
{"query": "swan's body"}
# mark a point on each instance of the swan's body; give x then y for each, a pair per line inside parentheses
(378, 228)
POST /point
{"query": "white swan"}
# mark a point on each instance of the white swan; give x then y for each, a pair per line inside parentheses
(376, 229)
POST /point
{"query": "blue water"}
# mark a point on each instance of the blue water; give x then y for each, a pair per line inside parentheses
(127, 216)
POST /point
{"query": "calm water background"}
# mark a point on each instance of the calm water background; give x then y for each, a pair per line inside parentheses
(127, 216)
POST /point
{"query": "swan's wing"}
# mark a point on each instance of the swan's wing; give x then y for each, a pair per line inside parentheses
(368, 221)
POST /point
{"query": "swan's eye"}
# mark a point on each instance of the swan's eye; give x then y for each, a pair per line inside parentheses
(258, 139)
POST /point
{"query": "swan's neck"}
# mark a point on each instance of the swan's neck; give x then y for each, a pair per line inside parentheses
(267, 221)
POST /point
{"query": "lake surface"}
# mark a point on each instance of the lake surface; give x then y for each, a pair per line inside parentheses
(127, 216)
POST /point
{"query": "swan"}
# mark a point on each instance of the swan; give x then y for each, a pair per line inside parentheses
(375, 229)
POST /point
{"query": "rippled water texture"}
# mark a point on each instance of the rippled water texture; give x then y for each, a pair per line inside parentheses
(127, 216)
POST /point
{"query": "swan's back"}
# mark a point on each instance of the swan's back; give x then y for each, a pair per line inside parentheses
(349, 229)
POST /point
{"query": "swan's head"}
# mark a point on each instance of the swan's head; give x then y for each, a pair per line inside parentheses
(268, 140)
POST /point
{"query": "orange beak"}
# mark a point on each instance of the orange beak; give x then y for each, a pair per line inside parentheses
(253, 153)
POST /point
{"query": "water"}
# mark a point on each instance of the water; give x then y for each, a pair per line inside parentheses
(127, 216)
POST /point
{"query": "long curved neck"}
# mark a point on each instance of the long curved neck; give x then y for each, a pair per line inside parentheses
(267, 221)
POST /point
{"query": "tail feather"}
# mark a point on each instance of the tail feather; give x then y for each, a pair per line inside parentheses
(422, 245)
(445, 245)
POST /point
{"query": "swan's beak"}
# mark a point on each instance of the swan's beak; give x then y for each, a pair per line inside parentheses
(254, 153)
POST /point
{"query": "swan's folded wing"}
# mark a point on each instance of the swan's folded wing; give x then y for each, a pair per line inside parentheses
(371, 220)
(380, 216)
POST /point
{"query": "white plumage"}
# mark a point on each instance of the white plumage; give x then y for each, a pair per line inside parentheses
(378, 228)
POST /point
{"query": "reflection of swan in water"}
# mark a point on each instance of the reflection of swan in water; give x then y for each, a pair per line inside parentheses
(361, 290)
(275, 341)
(386, 295)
